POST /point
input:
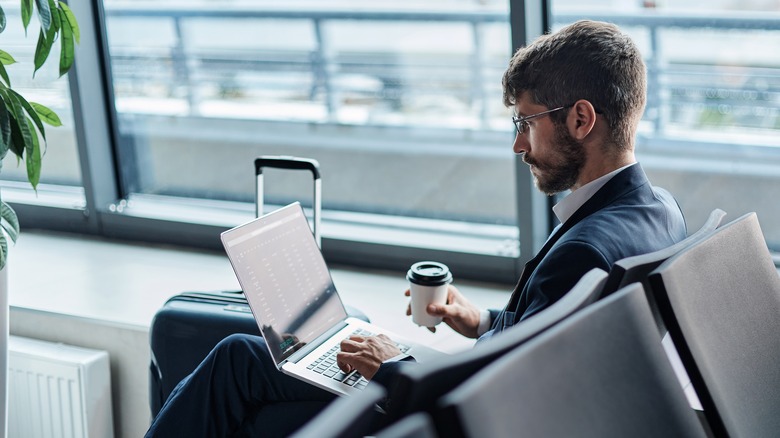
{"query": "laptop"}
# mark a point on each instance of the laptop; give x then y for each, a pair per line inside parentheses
(296, 305)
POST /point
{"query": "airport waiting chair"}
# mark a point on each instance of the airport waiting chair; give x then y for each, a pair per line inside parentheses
(419, 387)
(599, 373)
(637, 268)
(417, 425)
(720, 300)
(346, 417)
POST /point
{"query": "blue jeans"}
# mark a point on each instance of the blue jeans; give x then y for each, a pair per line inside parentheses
(237, 391)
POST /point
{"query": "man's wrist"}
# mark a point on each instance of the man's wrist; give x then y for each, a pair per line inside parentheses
(396, 358)
(484, 322)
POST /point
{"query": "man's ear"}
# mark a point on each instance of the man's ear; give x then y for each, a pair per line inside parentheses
(581, 119)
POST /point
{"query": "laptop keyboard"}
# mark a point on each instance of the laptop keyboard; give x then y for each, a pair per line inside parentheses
(326, 364)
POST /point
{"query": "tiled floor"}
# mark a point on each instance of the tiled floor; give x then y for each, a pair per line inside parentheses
(104, 294)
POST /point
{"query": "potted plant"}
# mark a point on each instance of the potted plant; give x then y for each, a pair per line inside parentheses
(22, 133)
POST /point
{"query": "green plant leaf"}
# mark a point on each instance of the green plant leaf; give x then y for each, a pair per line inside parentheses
(3, 250)
(66, 50)
(10, 221)
(4, 75)
(24, 137)
(5, 130)
(46, 42)
(41, 51)
(74, 25)
(55, 19)
(33, 157)
(17, 142)
(2, 19)
(21, 137)
(32, 114)
(11, 227)
(27, 10)
(47, 115)
(30, 111)
(6, 58)
(44, 13)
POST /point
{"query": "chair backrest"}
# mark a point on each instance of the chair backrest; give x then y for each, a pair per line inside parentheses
(419, 387)
(601, 372)
(637, 268)
(720, 299)
(346, 417)
(417, 425)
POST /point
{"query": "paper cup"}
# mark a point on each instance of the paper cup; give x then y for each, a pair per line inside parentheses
(428, 285)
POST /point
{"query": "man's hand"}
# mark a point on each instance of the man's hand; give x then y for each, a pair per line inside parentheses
(459, 313)
(365, 354)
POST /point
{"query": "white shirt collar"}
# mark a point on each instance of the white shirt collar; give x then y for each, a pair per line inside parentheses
(574, 200)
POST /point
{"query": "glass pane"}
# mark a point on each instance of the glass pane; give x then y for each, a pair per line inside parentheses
(400, 103)
(61, 160)
(711, 130)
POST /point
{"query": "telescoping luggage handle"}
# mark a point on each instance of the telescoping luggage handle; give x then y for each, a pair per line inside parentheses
(294, 163)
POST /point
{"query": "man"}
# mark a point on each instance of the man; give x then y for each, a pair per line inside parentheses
(578, 96)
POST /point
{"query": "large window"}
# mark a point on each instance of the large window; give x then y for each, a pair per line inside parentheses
(401, 104)
(61, 174)
(711, 131)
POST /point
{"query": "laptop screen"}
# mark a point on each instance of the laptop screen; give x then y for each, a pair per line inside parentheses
(285, 279)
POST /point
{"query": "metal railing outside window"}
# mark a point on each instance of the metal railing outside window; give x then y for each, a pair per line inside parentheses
(306, 67)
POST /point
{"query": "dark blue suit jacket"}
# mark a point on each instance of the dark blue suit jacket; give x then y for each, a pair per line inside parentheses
(626, 217)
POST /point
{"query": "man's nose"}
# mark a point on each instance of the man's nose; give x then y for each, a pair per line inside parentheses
(521, 144)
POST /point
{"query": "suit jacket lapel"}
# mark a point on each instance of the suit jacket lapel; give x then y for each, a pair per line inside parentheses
(531, 265)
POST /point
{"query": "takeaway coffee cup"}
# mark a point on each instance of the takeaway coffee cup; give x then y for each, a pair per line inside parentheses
(428, 284)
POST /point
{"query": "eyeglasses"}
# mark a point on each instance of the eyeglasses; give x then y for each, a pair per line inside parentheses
(521, 123)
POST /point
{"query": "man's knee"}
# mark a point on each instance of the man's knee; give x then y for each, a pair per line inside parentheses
(237, 340)
(240, 347)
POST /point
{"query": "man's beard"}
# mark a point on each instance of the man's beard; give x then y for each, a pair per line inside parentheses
(564, 170)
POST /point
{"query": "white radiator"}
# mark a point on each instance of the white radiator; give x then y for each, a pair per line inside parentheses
(57, 391)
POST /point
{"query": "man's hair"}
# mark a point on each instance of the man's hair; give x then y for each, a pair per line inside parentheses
(587, 60)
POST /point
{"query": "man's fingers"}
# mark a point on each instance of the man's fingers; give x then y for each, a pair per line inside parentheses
(408, 293)
(341, 359)
(384, 337)
(350, 345)
(437, 310)
(365, 354)
(348, 362)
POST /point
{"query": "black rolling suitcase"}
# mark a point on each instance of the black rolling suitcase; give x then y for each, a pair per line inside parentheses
(190, 324)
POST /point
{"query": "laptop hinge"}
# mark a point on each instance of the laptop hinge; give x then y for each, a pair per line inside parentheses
(298, 355)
